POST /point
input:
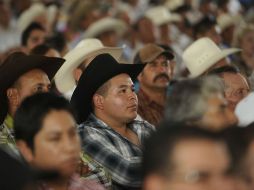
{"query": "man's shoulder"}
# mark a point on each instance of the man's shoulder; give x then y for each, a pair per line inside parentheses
(143, 124)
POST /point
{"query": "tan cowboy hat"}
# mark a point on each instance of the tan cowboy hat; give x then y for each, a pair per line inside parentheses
(104, 25)
(160, 15)
(85, 49)
(202, 54)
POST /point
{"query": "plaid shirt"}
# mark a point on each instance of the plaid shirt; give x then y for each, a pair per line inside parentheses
(118, 155)
(148, 109)
(94, 171)
(7, 134)
(75, 183)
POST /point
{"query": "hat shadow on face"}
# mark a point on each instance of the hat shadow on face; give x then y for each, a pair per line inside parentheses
(102, 68)
(18, 63)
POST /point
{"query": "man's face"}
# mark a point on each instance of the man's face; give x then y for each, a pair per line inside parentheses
(214, 35)
(36, 37)
(146, 31)
(157, 74)
(217, 115)
(120, 102)
(32, 82)
(199, 164)
(57, 144)
(236, 88)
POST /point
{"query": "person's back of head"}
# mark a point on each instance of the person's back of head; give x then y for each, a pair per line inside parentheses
(177, 156)
(28, 120)
(186, 101)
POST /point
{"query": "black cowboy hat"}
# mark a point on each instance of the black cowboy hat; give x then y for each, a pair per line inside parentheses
(19, 63)
(102, 68)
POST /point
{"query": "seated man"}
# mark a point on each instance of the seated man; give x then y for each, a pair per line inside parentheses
(181, 157)
(106, 106)
(201, 102)
(236, 86)
(22, 75)
(45, 133)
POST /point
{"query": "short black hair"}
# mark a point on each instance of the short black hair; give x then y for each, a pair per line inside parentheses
(223, 69)
(26, 33)
(57, 41)
(160, 146)
(204, 25)
(31, 113)
(40, 49)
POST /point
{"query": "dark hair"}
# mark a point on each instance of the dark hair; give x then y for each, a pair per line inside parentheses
(31, 113)
(158, 149)
(26, 33)
(238, 140)
(224, 69)
(203, 26)
(40, 49)
(57, 41)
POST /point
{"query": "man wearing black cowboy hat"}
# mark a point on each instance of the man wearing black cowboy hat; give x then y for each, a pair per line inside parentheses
(106, 106)
(22, 75)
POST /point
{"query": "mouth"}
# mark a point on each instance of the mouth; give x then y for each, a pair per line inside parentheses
(133, 107)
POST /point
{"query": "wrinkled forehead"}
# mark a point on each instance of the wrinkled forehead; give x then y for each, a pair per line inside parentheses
(33, 74)
(235, 80)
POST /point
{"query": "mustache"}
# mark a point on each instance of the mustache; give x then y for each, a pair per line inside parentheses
(162, 75)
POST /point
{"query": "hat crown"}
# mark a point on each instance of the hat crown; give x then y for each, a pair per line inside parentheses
(91, 43)
(148, 51)
(202, 54)
(160, 15)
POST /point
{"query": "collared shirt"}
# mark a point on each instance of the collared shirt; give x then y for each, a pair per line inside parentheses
(95, 171)
(7, 139)
(117, 154)
(6, 132)
(76, 183)
(148, 109)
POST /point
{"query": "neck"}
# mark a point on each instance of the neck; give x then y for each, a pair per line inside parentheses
(157, 95)
(117, 125)
(60, 184)
(12, 110)
(248, 59)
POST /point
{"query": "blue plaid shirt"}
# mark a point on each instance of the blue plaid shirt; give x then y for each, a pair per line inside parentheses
(120, 157)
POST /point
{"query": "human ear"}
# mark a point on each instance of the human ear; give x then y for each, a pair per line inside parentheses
(13, 96)
(25, 150)
(77, 74)
(98, 101)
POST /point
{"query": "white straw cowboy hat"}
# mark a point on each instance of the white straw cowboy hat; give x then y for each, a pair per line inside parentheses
(203, 54)
(85, 49)
(160, 15)
(104, 25)
(174, 4)
(226, 20)
(29, 15)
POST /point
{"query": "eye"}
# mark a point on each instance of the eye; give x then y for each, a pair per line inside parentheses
(123, 91)
(39, 88)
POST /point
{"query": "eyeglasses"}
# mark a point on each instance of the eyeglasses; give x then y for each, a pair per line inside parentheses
(196, 176)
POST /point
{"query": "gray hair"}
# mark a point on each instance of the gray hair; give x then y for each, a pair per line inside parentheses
(187, 102)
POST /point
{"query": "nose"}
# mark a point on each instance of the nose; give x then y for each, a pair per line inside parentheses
(231, 117)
